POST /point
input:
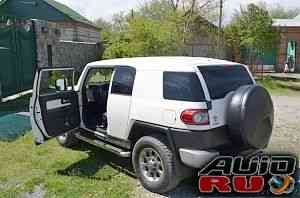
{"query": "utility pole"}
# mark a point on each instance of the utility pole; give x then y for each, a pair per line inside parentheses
(220, 30)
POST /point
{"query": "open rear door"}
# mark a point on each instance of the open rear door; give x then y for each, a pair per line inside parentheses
(54, 104)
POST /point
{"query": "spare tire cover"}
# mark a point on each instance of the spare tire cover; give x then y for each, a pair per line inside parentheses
(250, 117)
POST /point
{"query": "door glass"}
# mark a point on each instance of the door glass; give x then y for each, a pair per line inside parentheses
(50, 79)
(123, 81)
(97, 76)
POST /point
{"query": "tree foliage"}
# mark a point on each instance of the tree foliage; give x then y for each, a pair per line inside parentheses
(280, 12)
(251, 28)
(157, 27)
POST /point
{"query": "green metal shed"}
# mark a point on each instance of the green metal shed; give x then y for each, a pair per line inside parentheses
(18, 50)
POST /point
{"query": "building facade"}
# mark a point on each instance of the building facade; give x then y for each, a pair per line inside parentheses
(42, 33)
(288, 50)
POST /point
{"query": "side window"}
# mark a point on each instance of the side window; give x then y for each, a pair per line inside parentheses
(123, 81)
(52, 81)
(182, 86)
(98, 76)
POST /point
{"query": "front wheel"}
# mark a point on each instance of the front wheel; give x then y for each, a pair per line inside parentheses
(155, 164)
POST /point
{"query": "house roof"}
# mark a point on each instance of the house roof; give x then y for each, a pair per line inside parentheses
(295, 22)
(286, 22)
(35, 12)
(297, 17)
(69, 12)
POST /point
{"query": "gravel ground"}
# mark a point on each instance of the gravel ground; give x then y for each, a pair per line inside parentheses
(286, 134)
(285, 138)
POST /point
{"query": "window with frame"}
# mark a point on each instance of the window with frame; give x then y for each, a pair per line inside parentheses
(97, 76)
(221, 80)
(182, 86)
(123, 80)
(48, 80)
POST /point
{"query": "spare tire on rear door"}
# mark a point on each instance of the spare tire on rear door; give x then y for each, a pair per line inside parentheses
(250, 117)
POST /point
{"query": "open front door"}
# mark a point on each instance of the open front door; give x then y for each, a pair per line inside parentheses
(54, 104)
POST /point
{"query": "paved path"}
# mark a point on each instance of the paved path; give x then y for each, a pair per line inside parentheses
(290, 76)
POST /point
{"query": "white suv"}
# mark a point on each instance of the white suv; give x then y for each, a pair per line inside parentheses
(168, 114)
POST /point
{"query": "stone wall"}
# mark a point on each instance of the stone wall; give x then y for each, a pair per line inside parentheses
(75, 54)
(57, 39)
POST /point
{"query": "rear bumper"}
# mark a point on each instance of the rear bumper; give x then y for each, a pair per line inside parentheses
(196, 158)
(214, 139)
(197, 148)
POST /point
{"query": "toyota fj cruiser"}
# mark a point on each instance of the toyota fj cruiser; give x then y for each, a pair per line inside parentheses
(167, 113)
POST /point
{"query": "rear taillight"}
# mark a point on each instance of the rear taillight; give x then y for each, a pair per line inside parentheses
(195, 117)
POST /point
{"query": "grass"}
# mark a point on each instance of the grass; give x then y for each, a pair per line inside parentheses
(279, 87)
(61, 172)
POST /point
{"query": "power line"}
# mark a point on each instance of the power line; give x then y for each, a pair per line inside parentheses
(220, 29)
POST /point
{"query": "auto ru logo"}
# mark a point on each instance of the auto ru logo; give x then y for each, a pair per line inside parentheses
(265, 174)
(280, 185)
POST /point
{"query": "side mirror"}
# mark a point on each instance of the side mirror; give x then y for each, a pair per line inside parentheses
(61, 84)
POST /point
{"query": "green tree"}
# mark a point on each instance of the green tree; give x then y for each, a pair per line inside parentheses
(232, 33)
(152, 30)
(280, 12)
(156, 28)
(252, 28)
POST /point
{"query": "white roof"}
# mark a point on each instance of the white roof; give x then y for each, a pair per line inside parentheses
(286, 22)
(163, 63)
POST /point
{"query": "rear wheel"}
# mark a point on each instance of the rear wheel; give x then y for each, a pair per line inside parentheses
(67, 140)
(155, 164)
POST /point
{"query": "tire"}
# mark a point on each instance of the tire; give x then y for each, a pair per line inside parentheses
(67, 140)
(167, 165)
(250, 117)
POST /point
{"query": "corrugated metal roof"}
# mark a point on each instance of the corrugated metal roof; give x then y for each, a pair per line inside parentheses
(286, 22)
(69, 12)
(65, 10)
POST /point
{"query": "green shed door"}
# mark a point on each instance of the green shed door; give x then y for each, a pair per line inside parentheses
(269, 58)
(8, 79)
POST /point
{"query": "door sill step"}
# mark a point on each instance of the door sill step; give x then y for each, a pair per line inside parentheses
(98, 143)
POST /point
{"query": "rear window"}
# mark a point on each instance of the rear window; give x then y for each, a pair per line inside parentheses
(183, 86)
(222, 80)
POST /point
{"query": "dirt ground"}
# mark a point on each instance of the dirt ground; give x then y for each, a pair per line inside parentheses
(285, 138)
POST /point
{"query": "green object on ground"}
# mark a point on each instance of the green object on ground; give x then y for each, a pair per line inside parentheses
(12, 126)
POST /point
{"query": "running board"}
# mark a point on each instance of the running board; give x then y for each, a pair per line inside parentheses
(105, 146)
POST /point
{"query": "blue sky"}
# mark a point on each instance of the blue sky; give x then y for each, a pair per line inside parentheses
(94, 9)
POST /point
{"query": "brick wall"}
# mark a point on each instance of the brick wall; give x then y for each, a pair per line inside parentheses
(288, 34)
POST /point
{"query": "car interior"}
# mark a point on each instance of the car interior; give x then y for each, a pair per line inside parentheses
(94, 99)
